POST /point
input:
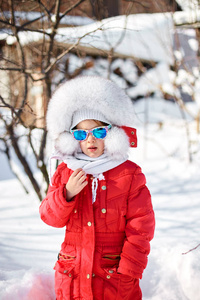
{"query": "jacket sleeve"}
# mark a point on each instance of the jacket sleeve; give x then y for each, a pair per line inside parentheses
(54, 209)
(139, 230)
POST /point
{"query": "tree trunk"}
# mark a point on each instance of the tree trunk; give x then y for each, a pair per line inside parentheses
(24, 162)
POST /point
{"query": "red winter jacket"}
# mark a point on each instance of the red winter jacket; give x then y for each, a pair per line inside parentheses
(106, 243)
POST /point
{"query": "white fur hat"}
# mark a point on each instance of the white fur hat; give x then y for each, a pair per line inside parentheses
(86, 96)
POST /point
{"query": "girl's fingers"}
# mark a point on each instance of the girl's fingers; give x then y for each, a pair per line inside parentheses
(75, 173)
(82, 178)
(80, 175)
(78, 180)
(84, 183)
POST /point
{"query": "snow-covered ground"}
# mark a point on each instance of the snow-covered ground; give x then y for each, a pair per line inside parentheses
(28, 247)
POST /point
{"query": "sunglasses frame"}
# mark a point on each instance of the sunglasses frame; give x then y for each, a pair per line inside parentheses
(90, 131)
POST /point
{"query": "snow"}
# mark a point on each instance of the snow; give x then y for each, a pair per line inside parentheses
(153, 80)
(188, 5)
(186, 17)
(29, 247)
(143, 36)
(147, 36)
(31, 15)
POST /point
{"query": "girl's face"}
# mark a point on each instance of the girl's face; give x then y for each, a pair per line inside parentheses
(92, 147)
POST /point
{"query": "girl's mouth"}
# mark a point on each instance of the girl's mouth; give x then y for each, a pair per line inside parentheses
(92, 149)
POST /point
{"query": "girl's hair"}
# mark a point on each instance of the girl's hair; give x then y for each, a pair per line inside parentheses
(99, 123)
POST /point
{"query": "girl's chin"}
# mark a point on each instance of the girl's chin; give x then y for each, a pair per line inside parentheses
(93, 153)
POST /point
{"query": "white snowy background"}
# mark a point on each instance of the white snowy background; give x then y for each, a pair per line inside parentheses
(28, 247)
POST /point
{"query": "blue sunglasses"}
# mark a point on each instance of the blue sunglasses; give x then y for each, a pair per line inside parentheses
(98, 133)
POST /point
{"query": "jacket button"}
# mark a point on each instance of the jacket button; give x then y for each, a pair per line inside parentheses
(89, 224)
(88, 276)
(65, 271)
(111, 271)
(70, 275)
(103, 187)
(93, 275)
(108, 276)
(103, 210)
(132, 132)
(132, 143)
(75, 211)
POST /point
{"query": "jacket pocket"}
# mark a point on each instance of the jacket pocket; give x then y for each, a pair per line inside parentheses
(120, 286)
(117, 286)
(110, 260)
(65, 275)
(65, 267)
(128, 288)
(67, 261)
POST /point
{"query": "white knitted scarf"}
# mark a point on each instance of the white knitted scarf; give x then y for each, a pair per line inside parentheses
(94, 166)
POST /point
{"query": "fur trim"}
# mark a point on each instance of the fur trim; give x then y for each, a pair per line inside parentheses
(66, 144)
(87, 92)
(117, 143)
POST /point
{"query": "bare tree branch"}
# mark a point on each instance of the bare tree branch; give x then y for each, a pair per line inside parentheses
(71, 8)
(23, 161)
(31, 22)
(191, 250)
(69, 49)
(45, 8)
(33, 63)
(11, 69)
(13, 110)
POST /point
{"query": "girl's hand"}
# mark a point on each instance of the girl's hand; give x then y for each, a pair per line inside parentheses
(77, 181)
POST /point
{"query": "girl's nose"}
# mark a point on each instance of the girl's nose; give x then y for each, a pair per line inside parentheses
(90, 138)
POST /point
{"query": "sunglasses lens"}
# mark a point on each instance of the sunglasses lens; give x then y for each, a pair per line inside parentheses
(99, 133)
(80, 135)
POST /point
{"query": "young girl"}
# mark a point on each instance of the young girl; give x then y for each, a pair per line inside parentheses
(98, 194)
